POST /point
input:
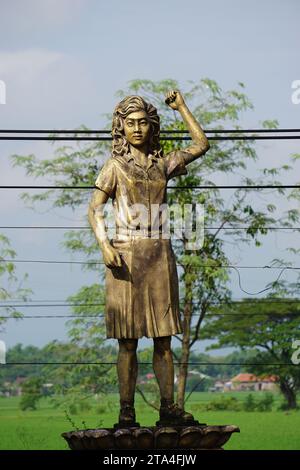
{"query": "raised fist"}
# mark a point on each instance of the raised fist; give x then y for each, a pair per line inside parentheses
(174, 99)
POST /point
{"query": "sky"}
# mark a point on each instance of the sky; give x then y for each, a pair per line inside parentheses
(62, 62)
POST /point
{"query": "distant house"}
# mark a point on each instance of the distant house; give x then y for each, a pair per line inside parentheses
(10, 389)
(18, 384)
(251, 382)
(221, 386)
(150, 376)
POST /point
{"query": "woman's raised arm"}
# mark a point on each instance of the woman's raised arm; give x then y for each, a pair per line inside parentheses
(200, 145)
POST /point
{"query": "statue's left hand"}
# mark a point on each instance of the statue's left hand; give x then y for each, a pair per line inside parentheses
(174, 99)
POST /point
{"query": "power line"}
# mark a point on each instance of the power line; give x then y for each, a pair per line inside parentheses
(163, 131)
(259, 186)
(168, 134)
(84, 227)
(104, 139)
(191, 268)
(2, 260)
(96, 317)
(280, 364)
(62, 303)
(52, 305)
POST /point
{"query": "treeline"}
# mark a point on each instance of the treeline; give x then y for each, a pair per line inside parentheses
(26, 357)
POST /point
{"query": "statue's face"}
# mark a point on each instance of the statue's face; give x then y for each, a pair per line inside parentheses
(137, 128)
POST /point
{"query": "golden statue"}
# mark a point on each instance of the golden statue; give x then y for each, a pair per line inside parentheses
(142, 296)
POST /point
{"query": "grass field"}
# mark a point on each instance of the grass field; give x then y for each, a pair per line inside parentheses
(41, 429)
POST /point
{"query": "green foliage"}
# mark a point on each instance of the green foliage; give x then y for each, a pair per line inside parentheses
(29, 402)
(267, 327)
(284, 406)
(72, 408)
(223, 403)
(69, 418)
(76, 385)
(73, 386)
(86, 334)
(31, 393)
(100, 409)
(264, 404)
(61, 352)
(249, 403)
(211, 367)
(228, 402)
(12, 285)
(197, 384)
(20, 353)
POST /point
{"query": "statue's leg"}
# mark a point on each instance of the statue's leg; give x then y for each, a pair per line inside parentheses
(163, 368)
(170, 413)
(127, 369)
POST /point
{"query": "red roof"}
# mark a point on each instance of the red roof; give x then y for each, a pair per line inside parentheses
(150, 376)
(245, 377)
(269, 378)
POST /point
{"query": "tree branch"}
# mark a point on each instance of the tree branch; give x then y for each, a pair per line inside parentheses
(146, 400)
(193, 389)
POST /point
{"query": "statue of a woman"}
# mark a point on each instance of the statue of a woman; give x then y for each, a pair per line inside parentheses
(141, 277)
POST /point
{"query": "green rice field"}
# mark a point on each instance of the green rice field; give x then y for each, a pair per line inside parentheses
(41, 429)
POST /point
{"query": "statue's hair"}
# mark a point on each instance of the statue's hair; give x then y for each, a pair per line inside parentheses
(128, 105)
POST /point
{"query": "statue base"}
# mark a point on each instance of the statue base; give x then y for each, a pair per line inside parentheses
(121, 425)
(146, 438)
(167, 423)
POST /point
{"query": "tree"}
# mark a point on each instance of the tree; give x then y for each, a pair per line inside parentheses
(31, 393)
(18, 354)
(268, 327)
(86, 333)
(11, 285)
(203, 273)
(69, 384)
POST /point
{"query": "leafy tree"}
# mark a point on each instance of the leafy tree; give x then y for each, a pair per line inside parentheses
(203, 277)
(19, 354)
(269, 328)
(31, 393)
(11, 285)
(75, 385)
(71, 384)
(249, 403)
(266, 403)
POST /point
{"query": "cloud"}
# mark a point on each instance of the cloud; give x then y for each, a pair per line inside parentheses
(33, 16)
(24, 73)
(45, 88)
(27, 64)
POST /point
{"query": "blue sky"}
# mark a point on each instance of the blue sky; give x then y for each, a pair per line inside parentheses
(62, 62)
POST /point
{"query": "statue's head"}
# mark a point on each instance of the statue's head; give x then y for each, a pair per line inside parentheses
(135, 122)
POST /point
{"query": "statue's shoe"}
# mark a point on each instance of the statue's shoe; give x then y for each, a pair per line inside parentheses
(172, 415)
(126, 417)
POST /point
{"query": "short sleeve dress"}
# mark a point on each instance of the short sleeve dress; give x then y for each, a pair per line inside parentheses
(142, 296)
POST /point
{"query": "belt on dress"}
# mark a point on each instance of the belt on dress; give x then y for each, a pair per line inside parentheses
(125, 234)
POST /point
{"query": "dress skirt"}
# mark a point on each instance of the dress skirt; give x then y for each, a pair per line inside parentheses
(142, 296)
